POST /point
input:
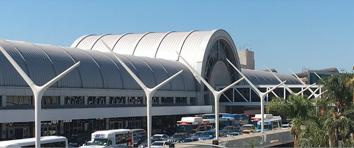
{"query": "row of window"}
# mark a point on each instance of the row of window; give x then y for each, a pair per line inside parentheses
(96, 100)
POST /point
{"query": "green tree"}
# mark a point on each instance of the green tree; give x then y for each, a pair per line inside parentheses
(296, 108)
(321, 122)
(339, 119)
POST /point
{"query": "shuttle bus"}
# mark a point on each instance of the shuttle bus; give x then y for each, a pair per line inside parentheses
(46, 141)
(116, 138)
(270, 124)
(225, 119)
(192, 125)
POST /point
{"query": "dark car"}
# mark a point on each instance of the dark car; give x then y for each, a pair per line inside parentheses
(203, 135)
(179, 138)
(231, 130)
(159, 137)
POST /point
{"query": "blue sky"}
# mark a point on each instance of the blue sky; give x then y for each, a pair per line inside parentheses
(284, 34)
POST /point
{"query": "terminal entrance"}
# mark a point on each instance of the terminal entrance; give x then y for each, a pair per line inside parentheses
(79, 131)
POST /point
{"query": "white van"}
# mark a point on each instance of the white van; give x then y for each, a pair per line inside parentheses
(46, 141)
(115, 138)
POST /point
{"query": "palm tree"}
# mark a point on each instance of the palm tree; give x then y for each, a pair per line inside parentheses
(314, 135)
(321, 122)
(296, 108)
(339, 119)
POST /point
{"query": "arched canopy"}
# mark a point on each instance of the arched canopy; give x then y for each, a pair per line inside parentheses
(266, 78)
(197, 47)
(97, 69)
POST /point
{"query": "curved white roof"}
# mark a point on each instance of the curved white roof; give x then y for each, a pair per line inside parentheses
(194, 46)
(97, 70)
(266, 78)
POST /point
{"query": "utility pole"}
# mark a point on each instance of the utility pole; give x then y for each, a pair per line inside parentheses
(149, 92)
(37, 91)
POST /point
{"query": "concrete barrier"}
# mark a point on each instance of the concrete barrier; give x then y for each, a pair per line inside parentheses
(271, 138)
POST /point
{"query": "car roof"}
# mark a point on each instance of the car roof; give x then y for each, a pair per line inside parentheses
(111, 131)
(160, 141)
(160, 135)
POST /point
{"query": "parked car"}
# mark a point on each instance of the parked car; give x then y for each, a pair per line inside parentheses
(159, 137)
(203, 135)
(160, 144)
(179, 137)
(230, 131)
(233, 134)
(248, 129)
(143, 144)
(285, 126)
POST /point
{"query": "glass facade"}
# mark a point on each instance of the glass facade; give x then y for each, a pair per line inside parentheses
(117, 100)
(92, 101)
(50, 100)
(74, 100)
(181, 100)
(166, 100)
(17, 101)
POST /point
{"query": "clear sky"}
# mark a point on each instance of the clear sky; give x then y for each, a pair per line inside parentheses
(284, 34)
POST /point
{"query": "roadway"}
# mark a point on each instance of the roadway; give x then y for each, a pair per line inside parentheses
(272, 138)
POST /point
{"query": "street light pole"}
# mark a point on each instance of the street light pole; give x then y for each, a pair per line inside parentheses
(216, 94)
(37, 91)
(260, 94)
(149, 92)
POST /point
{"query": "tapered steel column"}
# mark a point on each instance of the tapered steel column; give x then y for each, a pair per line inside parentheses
(149, 92)
(37, 91)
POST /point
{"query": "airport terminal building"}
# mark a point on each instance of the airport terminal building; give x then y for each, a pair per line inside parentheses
(100, 94)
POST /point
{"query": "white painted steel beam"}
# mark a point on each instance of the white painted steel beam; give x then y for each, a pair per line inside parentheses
(149, 92)
(260, 94)
(215, 93)
(37, 91)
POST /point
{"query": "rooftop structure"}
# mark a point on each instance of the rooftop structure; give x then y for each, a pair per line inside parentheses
(247, 60)
(100, 94)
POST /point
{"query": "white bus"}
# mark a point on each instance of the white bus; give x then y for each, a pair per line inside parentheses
(46, 141)
(116, 138)
(270, 124)
(192, 125)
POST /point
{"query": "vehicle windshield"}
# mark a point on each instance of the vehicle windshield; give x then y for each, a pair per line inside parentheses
(102, 142)
(199, 134)
(157, 143)
(248, 127)
(206, 134)
(179, 136)
(184, 128)
(230, 128)
(158, 137)
(209, 116)
(265, 126)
